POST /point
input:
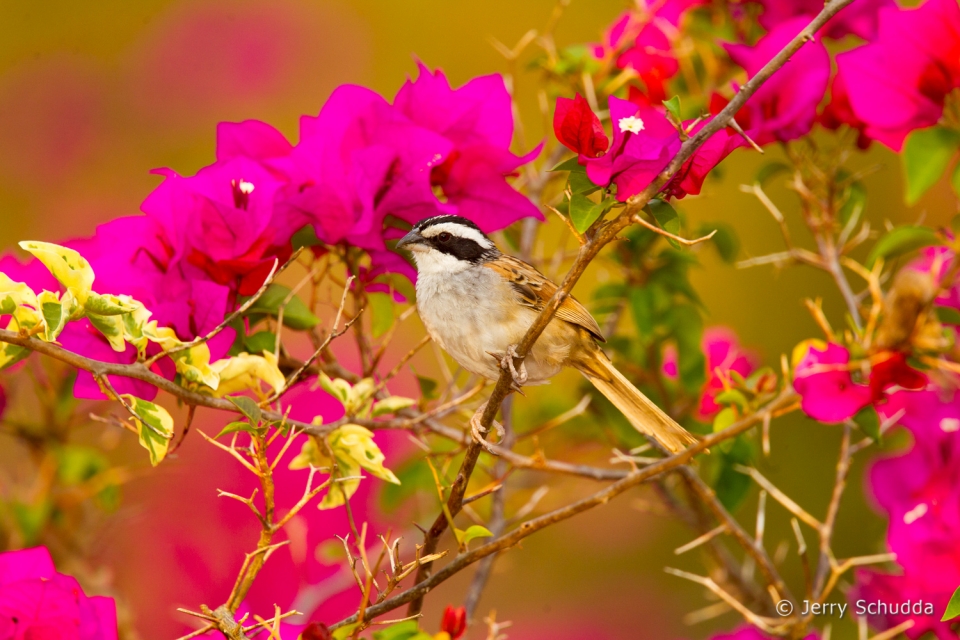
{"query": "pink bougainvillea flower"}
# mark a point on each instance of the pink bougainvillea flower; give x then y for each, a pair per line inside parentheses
(724, 354)
(642, 39)
(37, 603)
(920, 492)
(222, 221)
(477, 119)
(644, 142)
(751, 633)
(578, 128)
(822, 378)
(785, 107)
(859, 19)
(357, 162)
(898, 82)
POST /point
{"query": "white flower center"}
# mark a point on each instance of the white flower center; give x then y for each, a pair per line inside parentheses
(915, 514)
(632, 124)
(245, 187)
(950, 425)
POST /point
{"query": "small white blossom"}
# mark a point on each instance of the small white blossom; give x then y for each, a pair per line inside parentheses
(915, 514)
(633, 124)
(950, 425)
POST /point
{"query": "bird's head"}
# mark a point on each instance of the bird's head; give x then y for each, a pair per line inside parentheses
(447, 244)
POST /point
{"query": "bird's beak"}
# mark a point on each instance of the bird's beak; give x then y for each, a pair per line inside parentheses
(411, 240)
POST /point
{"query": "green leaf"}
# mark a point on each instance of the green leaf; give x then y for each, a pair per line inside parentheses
(381, 307)
(237, 427)
(247, 407)
(869, 422)
(953, 607)
(345, 631)
(725, 240)
(673, 106)
(392, 405)
(339, 389)
(948, 315)
(687, 329)
(54, 318)
(571, 164)
(733, 396)
(641, 304)
(580, 183)
(259, 342)
(476, 531)
(769, 170)
(902, 240)
(724, 419)
(31, 519)
(926, 154)
(305, 237)
(667, 217)
(582, 213)
(856, 199)
(428, 387)
(296, 315)
(154, 426)
(732, 487)
(406, 630)
(11, 354)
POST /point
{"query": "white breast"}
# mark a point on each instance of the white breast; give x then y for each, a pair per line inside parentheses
(472, 312)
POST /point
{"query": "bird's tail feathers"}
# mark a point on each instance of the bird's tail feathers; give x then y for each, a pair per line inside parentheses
(645, 416)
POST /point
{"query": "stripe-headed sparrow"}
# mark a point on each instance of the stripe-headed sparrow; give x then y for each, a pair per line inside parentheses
(477, 303)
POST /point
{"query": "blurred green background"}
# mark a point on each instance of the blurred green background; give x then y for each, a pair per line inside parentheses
(95, 95)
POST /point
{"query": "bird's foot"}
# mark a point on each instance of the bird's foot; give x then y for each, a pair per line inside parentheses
(518, 374)
(476, 428)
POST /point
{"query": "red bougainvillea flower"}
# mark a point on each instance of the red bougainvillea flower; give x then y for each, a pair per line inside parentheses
(822, 378)
(37, 603)
(578, 128)
(689, 179)
(899, 82)
(221, 221)
(890, 368)
(454, 622)
(724, 354)
(920, 492)
(642, 39)
(859, 19)
(785, 107)
(839, 112)
(477, 120)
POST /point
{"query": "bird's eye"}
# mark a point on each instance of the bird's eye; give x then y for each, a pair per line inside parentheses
(444, 237)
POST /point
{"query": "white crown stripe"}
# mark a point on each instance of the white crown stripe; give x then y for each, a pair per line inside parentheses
(458, 230)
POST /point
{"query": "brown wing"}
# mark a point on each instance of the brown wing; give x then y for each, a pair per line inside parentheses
(534, 290)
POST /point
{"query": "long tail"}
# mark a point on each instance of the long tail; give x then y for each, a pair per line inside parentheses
(643, 414)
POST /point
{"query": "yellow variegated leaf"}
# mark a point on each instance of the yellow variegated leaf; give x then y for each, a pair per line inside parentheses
(55, 313)
(133, 328)
(246, 372)
(154, 426)
(66, 265)
(109, 304)
(338, 388)
(356, 443)
(112, 329)
(359, 396)
(13, 294)
(11, 354)
(310, 455)
(193, 365)
(164, 336)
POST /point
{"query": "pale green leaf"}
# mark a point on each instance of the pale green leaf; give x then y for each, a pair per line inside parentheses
(926, 154)
(154, 426)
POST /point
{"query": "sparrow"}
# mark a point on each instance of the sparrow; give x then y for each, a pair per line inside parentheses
(477, 303)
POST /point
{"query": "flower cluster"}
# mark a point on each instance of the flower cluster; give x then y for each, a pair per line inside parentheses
(362, 164)
(920, 492)
(37, 602)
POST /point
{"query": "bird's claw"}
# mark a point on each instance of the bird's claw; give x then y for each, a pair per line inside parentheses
(476, 428)
(519, 374)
